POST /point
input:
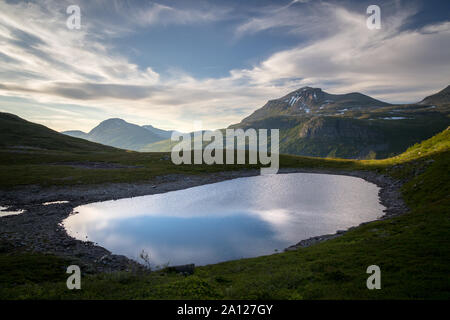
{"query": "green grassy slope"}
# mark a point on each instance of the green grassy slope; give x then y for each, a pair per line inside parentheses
(19, 134)
(345, 136)
(352, 126)
(412, 250)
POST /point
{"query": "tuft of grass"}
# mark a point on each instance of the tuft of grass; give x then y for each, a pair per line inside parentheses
(27, 268)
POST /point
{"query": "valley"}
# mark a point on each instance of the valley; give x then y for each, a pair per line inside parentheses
(180, 152)
(39, 240)
(312, 123)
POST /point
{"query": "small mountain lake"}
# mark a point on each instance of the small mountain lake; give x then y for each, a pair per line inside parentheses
(233, 219)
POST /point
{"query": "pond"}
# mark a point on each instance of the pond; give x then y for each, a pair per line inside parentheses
(239, 218)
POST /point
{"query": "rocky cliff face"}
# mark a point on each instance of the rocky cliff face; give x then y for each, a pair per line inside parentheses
(313, 122)
(334, 128)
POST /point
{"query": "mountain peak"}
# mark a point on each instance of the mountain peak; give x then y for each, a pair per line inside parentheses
(111, 123)
(304, 98)
(313, 101)
(113, 120)
(122, 134)
(306, 89)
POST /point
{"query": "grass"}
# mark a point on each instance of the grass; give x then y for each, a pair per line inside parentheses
(412, 250)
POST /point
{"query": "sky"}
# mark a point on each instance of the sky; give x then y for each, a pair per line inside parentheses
(171, 63)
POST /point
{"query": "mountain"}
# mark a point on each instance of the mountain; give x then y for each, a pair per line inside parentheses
(76, 134)
(315, 123)
(19, 135)
(164, 134)
(312, 122)
(440, 99)
(120, 134)
(309, 100)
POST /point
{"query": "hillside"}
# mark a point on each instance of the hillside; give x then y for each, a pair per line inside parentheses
(412, 249)
(353, 126)
(121, 134)
(440, 99)
(315, 123)
(164, 134)
(76, 134)
(19, 135)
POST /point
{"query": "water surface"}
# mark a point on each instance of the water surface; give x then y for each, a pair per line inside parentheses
(244, 217)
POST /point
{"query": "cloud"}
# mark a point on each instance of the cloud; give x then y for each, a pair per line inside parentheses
(299, 16)
(358, 59)
(41, 44)
(45, 62)
(95, 91)
(157, 13)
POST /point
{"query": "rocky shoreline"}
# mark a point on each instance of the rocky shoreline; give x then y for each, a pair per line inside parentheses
(39, 228)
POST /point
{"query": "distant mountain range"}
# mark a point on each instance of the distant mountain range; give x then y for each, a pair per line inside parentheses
(312, 122)
(121, 134)
(315, 123)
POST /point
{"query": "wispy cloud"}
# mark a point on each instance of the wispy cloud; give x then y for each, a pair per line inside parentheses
(358, 59)
(295, 16)
(45, 62)
(156, 13)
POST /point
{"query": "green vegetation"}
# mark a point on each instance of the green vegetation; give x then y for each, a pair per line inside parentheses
(17, 134)
(352, 126)
(312, 123)
(352, 135)
(355, 134)
(412, 250)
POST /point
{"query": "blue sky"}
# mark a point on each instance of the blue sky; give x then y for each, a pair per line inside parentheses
(169, 63)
